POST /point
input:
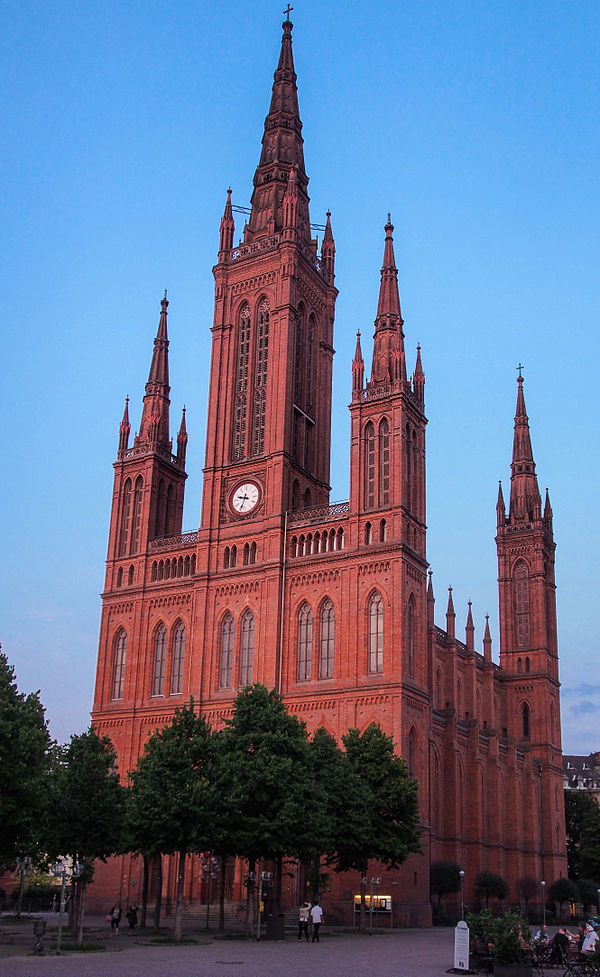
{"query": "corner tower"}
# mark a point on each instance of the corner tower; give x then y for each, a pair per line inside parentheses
(268, 438)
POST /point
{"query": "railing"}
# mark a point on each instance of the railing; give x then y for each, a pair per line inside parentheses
(320, 513)
(151, 448)
(265, 244)
(169, 542)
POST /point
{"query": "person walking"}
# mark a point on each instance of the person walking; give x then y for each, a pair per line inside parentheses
(115, 919)
(316, 915)
(131, 917)
(303, 917)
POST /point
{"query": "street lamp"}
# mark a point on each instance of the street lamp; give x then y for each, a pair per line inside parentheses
(375, 880)
(24, 868)
(543, 884)
(61, 870)
(462, 893)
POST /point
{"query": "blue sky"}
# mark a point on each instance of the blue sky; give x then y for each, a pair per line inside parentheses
(475, 124)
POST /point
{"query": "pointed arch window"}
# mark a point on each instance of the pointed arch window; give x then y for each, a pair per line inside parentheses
(247, 649)
(295, 494)
(160, 657)
(299, 358)
(241, 384)
(260, 392)
(309, 361)
(384, 462)
(226, 658)
(178, 659)
(369, 466)
(412, 751)
(375, 618)
(125, 518)
(521, 597)
(161, 500)
(136, 516)
(120, 655)
(305, 629)
(327, 640)
(526, 716)
(120, 577)
(410, 635)
(408, 479)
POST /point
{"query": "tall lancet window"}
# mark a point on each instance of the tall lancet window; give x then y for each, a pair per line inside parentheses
(226, 661)
(178, 659)
(160, 657)
(125, 517)
(260, 390)
(120, 654)
(369, 466)
(299, 360)
(327, 640)
(137, 515)
(305, 627)
(376, 633)
(247, 649)
(241, 384)
(521, 588)
(384, 462)
(309, 362)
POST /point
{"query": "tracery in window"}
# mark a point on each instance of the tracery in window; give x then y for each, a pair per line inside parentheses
(178, 659)
(226, 657)
(327, 640)
(241, 384)
(410, 635)
(521, 597)
(160, 657)
(305, 628)
(125, 517)
(247, 649)
(260, 393)
(384, 462)
(369, 466)
(137, 515)
(375, 618)
(120, 653)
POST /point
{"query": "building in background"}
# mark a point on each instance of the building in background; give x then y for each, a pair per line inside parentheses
(333, 605)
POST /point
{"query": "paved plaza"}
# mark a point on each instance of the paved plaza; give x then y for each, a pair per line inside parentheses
(394, 953)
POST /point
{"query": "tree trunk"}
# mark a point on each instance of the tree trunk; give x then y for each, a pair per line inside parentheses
(277, 886)
(362, 922)
(158, 900)
(81, 886)
(250, 899)
(144, 906)
(222, 892)
(178, 934)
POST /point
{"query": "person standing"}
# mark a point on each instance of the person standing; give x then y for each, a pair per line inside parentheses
(115, 919)
(131, 916)
(303, 917)
(316, 915)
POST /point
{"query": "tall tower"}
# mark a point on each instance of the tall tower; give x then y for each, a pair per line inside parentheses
(149, 479)
(269, 410)
(528, 633)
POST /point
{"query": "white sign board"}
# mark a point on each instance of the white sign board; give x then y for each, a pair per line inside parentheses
(461, 946)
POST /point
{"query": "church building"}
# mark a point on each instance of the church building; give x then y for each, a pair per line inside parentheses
(332, 605)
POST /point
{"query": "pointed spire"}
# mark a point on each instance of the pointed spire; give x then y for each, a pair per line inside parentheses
(154, 426)
(450, 616)
(430, 602)
(500, 508)
(124, 429)
(328, 252)
(388, 344)
(227, 229)
(182, 440)
(358, 367)
(419, 378)
(282, 148)
(470, 630)
(290, 206)
(487, 640)
(525, 501)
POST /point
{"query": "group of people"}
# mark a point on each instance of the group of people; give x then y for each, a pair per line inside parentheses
(114, 917)
(308, 914)
(586, 940)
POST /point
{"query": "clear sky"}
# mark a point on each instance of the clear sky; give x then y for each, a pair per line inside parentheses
(475, 124)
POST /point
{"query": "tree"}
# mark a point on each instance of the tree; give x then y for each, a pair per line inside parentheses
(444, 878)
(488, 886)
(388, 829)
(588, 893)
(25, 748)
(527, 888)
(582, 816)
(172, 797)
(271, 794)
(85, 809)
(563, 890)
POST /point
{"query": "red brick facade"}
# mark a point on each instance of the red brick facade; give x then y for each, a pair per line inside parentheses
(329, 604)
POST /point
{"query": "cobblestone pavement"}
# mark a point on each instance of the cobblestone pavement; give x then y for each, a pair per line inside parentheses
(395, 953)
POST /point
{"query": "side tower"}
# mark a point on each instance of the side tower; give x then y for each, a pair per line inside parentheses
(269, 410)
(528, 634)
(387, 469)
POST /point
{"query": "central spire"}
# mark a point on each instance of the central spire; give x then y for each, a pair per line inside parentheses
(525, 500)
(388, 344)
(154, 426)
(282, 151)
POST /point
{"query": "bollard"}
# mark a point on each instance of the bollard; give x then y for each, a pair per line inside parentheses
(39, 932)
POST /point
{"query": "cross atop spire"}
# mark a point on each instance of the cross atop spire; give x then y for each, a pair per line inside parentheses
(287, 13)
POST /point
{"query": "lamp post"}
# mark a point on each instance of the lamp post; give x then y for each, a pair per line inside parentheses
(462, 893)
(599, 902)
(374, 881)
(543, 884)
(24, 868)
(61, 870)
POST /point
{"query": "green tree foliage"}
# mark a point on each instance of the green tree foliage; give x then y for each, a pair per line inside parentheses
(588, 893)
(582, 816)
(24, 761)
(171, 805)
(271, 795)
(563, 890)
(444, 879)
(388, 829)
(85, 808)
(527, 888)
(488, 886)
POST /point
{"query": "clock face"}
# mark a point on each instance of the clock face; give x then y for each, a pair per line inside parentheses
(245, 498)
